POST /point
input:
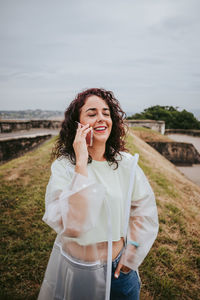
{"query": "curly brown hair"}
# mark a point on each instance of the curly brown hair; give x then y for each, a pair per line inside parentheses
(116, 140)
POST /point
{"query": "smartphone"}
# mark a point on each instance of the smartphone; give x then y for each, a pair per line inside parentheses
(89, 136)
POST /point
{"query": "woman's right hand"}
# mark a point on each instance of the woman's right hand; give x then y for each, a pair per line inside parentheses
(80, 146)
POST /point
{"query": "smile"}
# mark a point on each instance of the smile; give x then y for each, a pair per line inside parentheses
(100, 128)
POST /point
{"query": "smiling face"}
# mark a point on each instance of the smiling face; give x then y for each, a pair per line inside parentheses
(96, 113)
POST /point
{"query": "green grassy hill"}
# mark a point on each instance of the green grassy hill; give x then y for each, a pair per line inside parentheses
(171, 270)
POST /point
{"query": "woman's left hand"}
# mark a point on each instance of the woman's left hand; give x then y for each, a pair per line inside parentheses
(122, 268)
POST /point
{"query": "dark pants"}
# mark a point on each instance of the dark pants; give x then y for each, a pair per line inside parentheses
(126, 286)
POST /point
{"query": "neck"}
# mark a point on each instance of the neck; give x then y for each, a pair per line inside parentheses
(97, 152)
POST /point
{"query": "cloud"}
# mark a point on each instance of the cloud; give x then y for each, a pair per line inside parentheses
(144, 50)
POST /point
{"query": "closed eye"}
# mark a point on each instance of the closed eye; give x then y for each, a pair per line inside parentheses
(108, 115)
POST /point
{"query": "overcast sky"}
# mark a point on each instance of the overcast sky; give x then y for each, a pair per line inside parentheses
(146, 52)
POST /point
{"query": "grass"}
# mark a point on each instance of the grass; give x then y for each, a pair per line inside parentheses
(170, 271)
(25, 241)
(149, 135)
(161, 183)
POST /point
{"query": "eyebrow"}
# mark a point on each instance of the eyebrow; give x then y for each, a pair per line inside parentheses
(94, 109)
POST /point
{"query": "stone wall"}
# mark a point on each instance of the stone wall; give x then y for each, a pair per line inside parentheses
(192, 132)
(17, 125)
(11, 148)
(7, 126)
(154, 125)
(177, 153)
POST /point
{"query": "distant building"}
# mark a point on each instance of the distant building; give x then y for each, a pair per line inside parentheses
(152, 124)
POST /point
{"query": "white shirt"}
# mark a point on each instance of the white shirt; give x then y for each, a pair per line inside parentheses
(103, 185)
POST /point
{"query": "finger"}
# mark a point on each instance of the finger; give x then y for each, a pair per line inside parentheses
(86, 131)
(81, 127)
(117, 271)
(77, 122)
(84, 126)
(78, 125)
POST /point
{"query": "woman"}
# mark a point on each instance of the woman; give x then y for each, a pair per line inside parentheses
(100, 203)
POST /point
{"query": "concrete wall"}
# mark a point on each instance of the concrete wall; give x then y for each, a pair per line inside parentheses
(154, 125)
(17, 125)
(178, 153)
(11, 148)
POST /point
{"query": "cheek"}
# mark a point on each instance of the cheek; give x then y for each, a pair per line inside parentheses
(91, 122)
(85, 121)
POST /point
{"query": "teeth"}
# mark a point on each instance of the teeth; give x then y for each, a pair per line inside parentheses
(100, 129)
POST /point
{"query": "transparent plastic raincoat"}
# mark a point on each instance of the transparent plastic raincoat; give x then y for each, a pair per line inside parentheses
(89, 214)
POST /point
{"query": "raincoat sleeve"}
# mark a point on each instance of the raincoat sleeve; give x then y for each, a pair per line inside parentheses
(72, 201)
(143, 222)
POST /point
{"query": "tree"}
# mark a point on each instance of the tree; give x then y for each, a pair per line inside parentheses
(173, 118)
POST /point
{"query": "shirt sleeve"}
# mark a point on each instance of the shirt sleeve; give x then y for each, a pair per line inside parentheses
(143, 222)
(72, 201)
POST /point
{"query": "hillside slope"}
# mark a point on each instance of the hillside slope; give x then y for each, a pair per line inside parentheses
(171, 270)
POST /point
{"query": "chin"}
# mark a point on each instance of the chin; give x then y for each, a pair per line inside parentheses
(101, 139)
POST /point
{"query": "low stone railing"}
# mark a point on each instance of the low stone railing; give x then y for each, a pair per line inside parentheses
(158, 126)
(178, 153)
(7, 126)
(193, 132)
(14, 147)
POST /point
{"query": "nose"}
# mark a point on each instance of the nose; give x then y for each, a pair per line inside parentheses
(100, 117)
